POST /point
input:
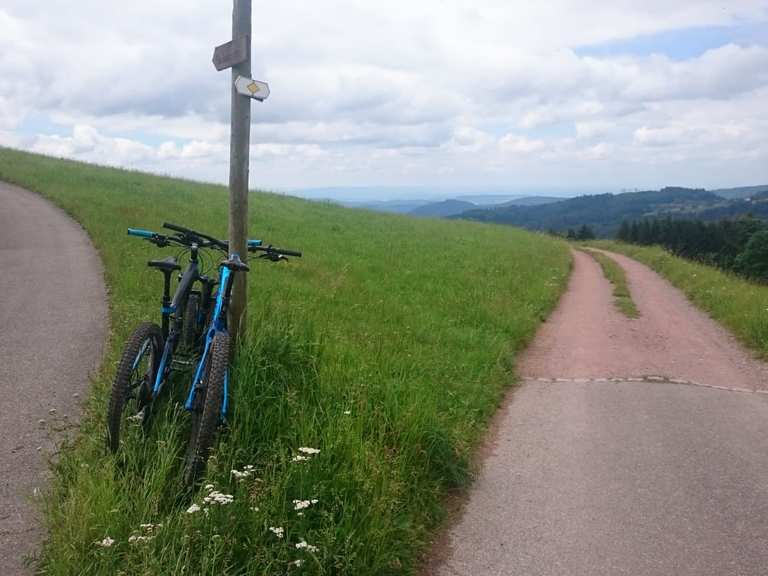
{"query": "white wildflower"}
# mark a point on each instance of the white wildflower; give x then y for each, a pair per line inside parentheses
(254, 508)
(138, 539)
(347, 412)
(299, 458)
(192, 509)
(302, 545)
(301, 504)
(216, 497)
(277, 531)
(296, 563)
(244, 473)
(310, 451)
(106, 542)
(208, 487)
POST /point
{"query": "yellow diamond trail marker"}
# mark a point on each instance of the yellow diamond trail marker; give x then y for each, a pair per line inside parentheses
(252, 88)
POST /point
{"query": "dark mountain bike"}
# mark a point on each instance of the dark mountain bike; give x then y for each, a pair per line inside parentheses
(193, 327)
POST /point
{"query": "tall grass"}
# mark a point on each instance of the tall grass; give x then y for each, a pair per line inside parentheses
(738, 304)
(387, 348)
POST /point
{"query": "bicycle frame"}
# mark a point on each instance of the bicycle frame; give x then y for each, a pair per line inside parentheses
(218, 324)
(171, 307)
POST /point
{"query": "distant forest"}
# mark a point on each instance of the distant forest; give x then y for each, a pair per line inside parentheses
(739, 245)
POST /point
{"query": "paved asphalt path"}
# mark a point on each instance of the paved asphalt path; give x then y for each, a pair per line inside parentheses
(53, 315)
(590, 471)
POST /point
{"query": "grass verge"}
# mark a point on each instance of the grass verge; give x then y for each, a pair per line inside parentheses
(622, 297)
(387, 348)
(739, 305)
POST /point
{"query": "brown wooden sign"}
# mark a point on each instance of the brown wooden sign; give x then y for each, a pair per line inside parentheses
(231, 54)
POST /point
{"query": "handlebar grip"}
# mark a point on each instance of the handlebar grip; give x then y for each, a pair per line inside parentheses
(288, 252)
(254, 243)
(140, 233)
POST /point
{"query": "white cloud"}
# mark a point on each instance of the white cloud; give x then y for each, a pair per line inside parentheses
(515, 144)
(401, 92)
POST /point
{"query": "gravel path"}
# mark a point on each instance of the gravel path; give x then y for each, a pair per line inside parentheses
(593, 470)
(587, 337)
(53, 314)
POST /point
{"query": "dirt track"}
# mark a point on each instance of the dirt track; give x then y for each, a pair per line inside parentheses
(592, 471)
(53, 315)
(587, 338)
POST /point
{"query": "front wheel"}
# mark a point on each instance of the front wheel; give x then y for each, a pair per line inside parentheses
(206, 408)
(131, 396)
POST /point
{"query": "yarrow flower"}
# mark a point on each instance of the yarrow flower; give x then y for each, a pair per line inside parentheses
(216, 497)
(302, 545)
(296, 563)
(277, 531)
(192, 509)
(301, 504)
(138, 539)
(244, 473)
(106, 542)
(306, 454)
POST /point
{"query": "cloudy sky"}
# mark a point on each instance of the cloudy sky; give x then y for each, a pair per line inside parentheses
(483, 93)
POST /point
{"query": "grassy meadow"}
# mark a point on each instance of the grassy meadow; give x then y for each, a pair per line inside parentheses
(387, 348)
(738, 304)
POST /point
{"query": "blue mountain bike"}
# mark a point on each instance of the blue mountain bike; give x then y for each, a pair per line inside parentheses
(192, 333)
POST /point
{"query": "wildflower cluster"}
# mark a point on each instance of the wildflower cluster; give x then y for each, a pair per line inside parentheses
(216, 497)
(247, 471)
(106, 542)
(305, 454)
(301, 504)
(145, 534)
(302, 545)
(278, 531)
(213, 498)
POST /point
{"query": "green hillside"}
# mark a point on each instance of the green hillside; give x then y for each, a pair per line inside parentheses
(387, 347)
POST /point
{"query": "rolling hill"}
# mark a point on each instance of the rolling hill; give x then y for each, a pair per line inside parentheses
(605, 212)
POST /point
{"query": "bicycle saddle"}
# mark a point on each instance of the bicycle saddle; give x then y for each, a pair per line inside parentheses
(166, 264)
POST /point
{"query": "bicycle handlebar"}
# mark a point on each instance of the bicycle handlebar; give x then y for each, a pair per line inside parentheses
(273, 250)
(186, 236)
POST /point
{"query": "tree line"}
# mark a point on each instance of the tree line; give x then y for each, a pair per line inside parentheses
(739, 245)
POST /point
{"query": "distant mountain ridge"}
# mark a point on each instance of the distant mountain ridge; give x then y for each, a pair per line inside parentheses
(454, 206)
(741, 192)
(605, 212)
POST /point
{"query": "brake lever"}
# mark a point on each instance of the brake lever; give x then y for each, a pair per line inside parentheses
(273, 256)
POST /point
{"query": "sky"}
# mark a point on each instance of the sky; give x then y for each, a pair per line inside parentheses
(430, 95)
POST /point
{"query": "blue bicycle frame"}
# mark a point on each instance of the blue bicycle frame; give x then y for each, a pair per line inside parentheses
(218, 324)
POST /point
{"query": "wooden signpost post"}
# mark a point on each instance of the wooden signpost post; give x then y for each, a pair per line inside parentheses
(236, 54)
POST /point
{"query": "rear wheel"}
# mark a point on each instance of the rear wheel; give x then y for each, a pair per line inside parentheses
(206, 408)
(131, 396)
